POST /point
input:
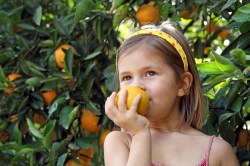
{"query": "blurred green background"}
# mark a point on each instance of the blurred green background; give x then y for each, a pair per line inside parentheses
(57, 69)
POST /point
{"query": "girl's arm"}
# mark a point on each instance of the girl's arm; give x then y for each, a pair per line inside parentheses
(132, 147)
(224, 153)
(124, 150)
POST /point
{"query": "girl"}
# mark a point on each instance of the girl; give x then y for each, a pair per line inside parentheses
(158, 59)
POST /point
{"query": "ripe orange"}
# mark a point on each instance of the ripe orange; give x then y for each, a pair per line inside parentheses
(207, 49)
(211, 27)
(76, 162)
(38, 119)
(187, 13)
(60, 54)
(4, 136)
(224, 33)
(244, 139)
(103, 136)
(89, 121)
(85, 154)
(132, 93)
(148, 13)
(24, 128)
(49, 96)
(11, 77)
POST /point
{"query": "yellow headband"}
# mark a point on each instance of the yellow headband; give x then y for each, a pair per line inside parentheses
(167, 38)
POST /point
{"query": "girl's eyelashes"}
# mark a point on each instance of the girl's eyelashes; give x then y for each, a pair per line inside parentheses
(150, 73)
(125, 78)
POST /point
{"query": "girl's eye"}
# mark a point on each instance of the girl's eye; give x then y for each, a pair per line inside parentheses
(150, 73)
(126, 78)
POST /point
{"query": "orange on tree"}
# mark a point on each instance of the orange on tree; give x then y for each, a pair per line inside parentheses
(211, 27)
(38, 119)
(11, 77)
(76, 162)
(85, 154)
(244, 139)
(60, 54)
(89, 121)
(207, 49)
(49, 96)
(4, 136)
(224, 33)
(103, 136)
(24, 128)
(132, 93)
(148, 13)
(187, 13)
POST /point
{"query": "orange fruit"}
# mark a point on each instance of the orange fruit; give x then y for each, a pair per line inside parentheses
(24, 128)
(207, 49)
(76, 162)
(103, 136)
(132, 93)
(60, 54)
(224, 33)
(49, 96)
(4, 136)
(148, 13)
(243, 140)
(89, 121)
(11, 77)
(85, 154)
(211, 27)
(187, 13)
(38, 119)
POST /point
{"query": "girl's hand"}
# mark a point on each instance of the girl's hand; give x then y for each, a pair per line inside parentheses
(129, 120)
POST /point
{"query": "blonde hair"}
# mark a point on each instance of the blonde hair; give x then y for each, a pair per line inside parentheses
(191, 105)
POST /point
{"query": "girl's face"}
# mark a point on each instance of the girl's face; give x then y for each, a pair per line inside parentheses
(148, 70)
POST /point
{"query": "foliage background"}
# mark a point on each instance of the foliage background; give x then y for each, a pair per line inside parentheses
(30, 32)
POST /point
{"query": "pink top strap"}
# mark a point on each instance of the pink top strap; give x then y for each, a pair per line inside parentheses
(205, 160)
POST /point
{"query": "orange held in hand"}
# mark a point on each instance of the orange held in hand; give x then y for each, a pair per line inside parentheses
(148, 13)
(132, 93)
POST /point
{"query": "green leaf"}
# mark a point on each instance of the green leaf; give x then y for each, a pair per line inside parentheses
(2, 75)
(64, 116)
(17, 135)
(82, 9)
(242, 14)
(48, 134)
(38, 15)
(239, 55)
(227, 5)
(225, 116)
(23, 104)
(69, 60)
(57, 103)
(120, 13)
(165, 10)
(34, 81)
(34, 131)
(237, 104)
(86, 142)
(87, 88)
(93, 107)
(246, 106)
(227, 132)
(93, 55)
(61, 159)
(29, 148)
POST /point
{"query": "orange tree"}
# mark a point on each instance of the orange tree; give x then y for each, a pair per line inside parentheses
(63, 53)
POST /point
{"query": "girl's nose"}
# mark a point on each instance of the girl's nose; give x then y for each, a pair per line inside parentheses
(138, 82)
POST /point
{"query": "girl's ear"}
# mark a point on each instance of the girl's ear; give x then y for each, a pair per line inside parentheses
(185, 84)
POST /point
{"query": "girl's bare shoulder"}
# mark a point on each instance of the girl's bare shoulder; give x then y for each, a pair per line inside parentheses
(223, 153)
(118, 137)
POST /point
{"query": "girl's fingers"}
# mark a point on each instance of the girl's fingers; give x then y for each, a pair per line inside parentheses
(122, 100)
(110, 107)
(135, 103)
